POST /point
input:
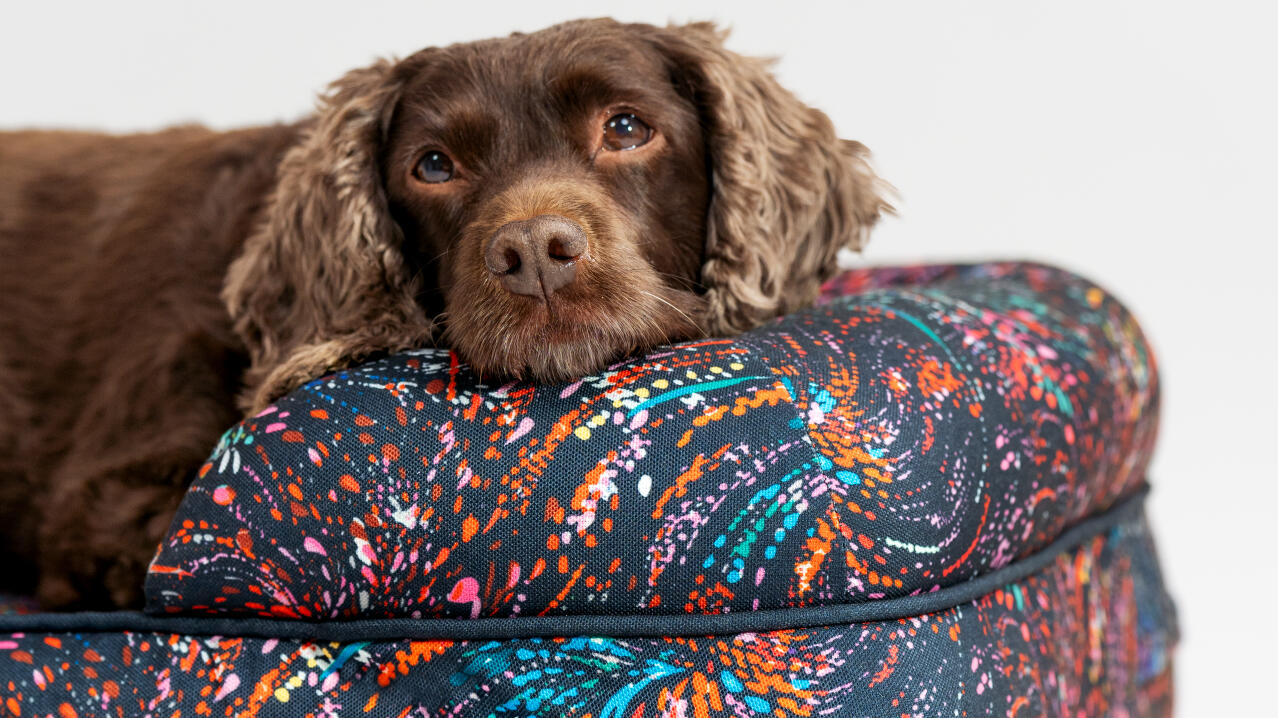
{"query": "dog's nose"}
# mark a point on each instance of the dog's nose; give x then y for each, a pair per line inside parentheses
(536, 256)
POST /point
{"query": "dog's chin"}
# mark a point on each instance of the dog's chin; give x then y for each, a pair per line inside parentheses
(560, 340)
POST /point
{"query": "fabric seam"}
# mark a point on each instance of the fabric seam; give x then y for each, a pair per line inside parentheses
(618, 626)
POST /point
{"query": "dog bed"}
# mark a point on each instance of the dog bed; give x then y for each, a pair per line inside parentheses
(921, 497)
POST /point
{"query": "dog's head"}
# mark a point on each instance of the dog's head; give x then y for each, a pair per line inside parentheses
(552, 200)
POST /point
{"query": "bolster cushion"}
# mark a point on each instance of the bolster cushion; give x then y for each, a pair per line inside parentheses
(918, 428)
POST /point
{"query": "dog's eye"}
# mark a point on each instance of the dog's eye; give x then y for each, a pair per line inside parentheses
(625, 132)
(434, 167)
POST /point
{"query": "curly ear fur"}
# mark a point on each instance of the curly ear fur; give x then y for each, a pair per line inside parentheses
(322, 282)
(788, 193)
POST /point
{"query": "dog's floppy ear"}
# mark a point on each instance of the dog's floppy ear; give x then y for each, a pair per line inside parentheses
(321, 282)
(788, 193)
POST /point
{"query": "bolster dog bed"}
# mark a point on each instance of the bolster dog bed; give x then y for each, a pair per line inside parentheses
(922, 497)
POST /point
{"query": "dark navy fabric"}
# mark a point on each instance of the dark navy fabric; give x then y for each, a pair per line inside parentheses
(921, 497)
(885, 443)
(1090, 634)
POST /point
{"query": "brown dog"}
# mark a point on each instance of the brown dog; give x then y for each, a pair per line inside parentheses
(543, 203)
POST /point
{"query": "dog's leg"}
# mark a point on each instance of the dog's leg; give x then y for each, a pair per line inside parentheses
(103, 522)
(137, 439)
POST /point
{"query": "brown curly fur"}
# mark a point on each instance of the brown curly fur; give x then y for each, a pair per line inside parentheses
(150, 280)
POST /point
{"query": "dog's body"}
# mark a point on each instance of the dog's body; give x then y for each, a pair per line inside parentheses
(118, 362)
(544, 203)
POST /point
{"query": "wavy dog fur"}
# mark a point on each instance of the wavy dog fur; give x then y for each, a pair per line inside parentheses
(322, 281)
(157, 286)
(788, 193)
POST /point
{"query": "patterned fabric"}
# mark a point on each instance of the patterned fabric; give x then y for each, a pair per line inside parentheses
(1090, 635)
(921, 427)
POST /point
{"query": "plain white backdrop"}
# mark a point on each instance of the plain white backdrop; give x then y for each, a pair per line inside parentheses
(1135, 142)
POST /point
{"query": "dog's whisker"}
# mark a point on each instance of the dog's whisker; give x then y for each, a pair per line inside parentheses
(672, 306)
(687, 282)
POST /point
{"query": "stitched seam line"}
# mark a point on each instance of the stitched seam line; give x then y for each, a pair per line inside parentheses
(633, 625)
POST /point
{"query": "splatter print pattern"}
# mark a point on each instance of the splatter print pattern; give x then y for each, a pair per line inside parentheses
(1090, 635)
(920, 427)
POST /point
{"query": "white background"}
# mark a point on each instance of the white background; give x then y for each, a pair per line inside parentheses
(1131, 141)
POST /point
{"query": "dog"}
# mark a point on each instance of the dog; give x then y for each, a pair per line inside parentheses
(544, 204)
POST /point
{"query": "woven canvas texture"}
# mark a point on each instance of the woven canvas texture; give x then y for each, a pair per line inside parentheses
(1089, 635)
(918, 428)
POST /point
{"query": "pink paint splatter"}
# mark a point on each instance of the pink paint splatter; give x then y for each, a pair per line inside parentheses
(231, 683)
(223, 495)
(466, 591)
(312, 545)
(525, 425)
(570, 389)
